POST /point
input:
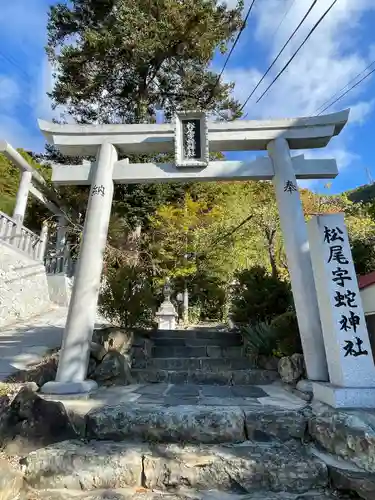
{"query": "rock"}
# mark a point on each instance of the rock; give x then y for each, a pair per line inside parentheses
(92, 366)
(114, 369)
(348, 434)
(40, 374)
(97, 351)
(114, 339)
(128, 494)
(246, 468)
(361, 483)
(270, 422)
(75, 465)
(292, 368)
(302, 395)
(305, 386)
(32, 422)
(195, 424)
(268, 362)
(11, 482)
(143, 494)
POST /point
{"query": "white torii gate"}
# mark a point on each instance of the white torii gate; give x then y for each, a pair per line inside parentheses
(105, 141)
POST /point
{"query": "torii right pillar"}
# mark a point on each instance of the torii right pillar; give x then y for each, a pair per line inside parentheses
(296, 245)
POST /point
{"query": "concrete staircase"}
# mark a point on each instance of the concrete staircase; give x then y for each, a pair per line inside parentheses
(201, 356)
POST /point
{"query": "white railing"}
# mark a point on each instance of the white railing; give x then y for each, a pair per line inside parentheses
(22, 238)
(60, 264)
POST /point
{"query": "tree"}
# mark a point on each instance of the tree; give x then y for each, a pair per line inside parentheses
(122, 61)
(178, 236)
(119, 61)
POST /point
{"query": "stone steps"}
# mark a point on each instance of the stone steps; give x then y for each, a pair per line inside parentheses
(206, 364)
(189, 335)
(227, 377)
(249, 467)
(192, 423)
(225, 341)
(143, 494)
(212, 351)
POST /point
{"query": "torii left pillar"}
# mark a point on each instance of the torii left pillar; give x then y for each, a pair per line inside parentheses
(75, 350)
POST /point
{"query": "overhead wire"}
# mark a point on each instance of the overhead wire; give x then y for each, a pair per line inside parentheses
(347, 92)
(279, 54)
(288, 9)
(343, 88)
(243, 26)
(296, 52)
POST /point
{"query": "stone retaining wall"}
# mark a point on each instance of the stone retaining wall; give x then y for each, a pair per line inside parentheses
(23, 286)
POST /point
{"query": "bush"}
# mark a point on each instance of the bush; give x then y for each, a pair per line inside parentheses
(278, 338)
(287, 333)
(207, 295)
(127, 298)
(259, 297)
(259, 339)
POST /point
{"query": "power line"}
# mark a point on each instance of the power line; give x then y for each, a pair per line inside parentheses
(279, 54)
(347, 92)
(232, 231)
(288, 9)
(14, 63)
(345, 86)
(296, 52)
(232, 49)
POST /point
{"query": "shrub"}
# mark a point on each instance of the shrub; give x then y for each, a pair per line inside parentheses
(259, 339)
(286, 330)
(278, 338)
(258, 297)
(207, 295)
(127, 297)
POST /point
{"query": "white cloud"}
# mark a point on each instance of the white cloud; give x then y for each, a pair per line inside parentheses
(329, 59)
(9, 93)
(360, 111)
(23, 89)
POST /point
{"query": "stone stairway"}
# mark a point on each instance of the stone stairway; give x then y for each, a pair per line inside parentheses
(134, 451)
(211, 434)
(201, 356)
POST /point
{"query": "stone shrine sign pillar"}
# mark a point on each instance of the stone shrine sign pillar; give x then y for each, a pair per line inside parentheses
(349, 356)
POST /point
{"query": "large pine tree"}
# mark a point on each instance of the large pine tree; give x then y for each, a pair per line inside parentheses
(119, 61)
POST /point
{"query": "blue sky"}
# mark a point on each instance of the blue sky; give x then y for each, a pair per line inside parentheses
(342, 46)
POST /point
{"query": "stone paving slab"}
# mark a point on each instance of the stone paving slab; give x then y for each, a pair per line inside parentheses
(23, 344)
(166, 395)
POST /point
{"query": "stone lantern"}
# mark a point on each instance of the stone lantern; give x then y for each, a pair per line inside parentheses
(166, 315)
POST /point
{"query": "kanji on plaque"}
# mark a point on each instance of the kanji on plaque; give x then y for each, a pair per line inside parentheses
(332, 234)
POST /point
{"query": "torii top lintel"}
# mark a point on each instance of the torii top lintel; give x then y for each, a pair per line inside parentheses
(238, 135)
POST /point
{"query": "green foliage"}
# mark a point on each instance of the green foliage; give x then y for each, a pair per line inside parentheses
(279, 338)
(364, 194)
(207, 294)
(122, 61)
(195, 313)
(257, 296)
(127, 297)
(260, 339)
(363, 256)
(287, 333)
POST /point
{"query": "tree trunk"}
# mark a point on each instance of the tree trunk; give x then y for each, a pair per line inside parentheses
(270, 236)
